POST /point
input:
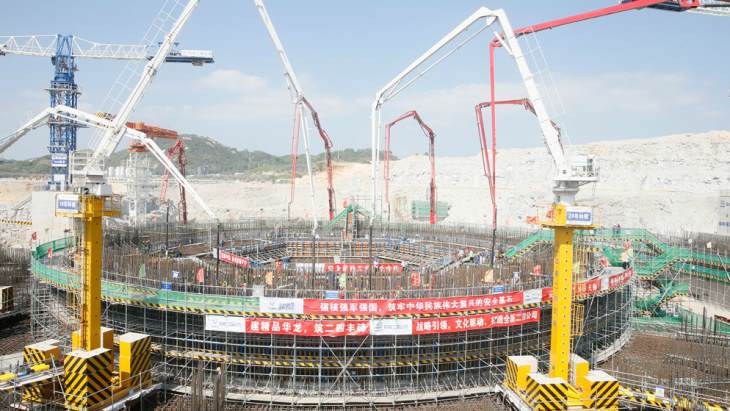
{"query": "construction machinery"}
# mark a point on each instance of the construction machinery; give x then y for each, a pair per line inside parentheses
(89, 379)
(91, 174)
(431, 136)
(92, 120)
(489, 157)
(63, 51)
(301, 105)
(565, 216)
(176, 150)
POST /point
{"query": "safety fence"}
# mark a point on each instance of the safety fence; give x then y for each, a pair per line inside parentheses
(163, 296)
(711, 266)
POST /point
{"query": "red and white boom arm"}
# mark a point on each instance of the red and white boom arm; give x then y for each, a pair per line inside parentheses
(408, 76)
(176, 149)
(431, 157)
(489, 157)
(300, 123)
(327, 155)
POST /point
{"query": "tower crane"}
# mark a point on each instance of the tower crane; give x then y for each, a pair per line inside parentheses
(63, 51)
(301, 105)
(431, 157)
(115, 127)
(87, 373)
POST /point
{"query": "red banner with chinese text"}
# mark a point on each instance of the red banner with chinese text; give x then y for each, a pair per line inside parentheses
(412, 306)
(309, 328)
(475, 322)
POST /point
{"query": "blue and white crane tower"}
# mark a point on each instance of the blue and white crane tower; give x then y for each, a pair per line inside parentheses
(63, 51)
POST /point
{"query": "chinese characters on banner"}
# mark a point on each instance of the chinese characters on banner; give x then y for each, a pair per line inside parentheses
(412, 306)
(341, 328)
(618, 280)
(308, 328)
(587, 287)
(229, 258)
(362, 268)
(474, 322)
(415, 279)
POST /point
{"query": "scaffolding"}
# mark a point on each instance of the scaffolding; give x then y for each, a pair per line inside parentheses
(153, 285)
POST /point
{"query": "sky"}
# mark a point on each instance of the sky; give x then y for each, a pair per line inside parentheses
(638, 74)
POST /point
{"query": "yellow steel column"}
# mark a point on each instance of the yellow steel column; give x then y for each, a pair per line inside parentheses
(562, 300)
(93, 211)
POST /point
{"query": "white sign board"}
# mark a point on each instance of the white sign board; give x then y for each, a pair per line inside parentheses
(281, 305)
(59, 160)
(224, 323)
(579, 215)
(659, 391)
(391, 326)
(68, 203)
(533, 296)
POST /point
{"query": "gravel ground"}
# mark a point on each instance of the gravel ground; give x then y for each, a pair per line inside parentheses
(648, 356)
(14, 334)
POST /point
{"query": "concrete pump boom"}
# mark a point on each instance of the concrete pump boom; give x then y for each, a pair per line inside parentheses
(177, 149)
(566, 181)
(301, 103)
(113, 135)
(431, 157)
(93, 120)
(489, 163)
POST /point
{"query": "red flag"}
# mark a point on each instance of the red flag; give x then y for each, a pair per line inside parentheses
(34, 236)
(200, 275)
(415, 279)
(50, 252)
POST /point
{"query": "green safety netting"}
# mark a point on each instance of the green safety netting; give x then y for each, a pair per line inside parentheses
(113, 290)
(421, 209)
(652, 255)
(667, 290)
(342, 216)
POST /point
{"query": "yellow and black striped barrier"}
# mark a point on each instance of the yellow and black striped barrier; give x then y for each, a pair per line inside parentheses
(547, 394)
(315, 361)
(38, 357)
(603, 395)
(16, 222)
(642, 399)
(41, 353)
(87, 378)
(39, 391)
(134, 360)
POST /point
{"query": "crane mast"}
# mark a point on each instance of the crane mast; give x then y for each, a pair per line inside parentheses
(63, 51)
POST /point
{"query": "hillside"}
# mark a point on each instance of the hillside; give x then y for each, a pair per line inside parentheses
(206, 156)
(665, 184)
(23, 168)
